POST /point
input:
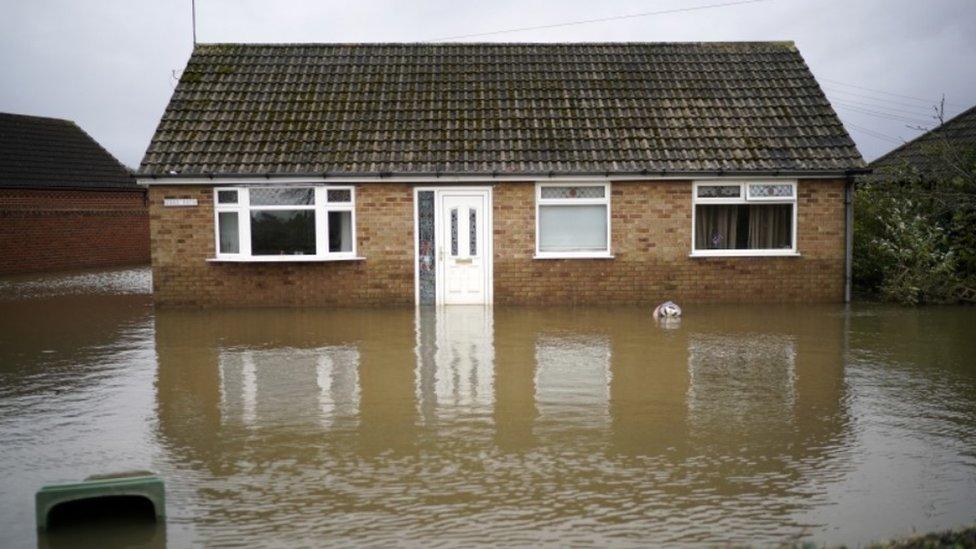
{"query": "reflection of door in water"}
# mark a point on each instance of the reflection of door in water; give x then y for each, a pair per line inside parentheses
(455, 363)
(464, 250)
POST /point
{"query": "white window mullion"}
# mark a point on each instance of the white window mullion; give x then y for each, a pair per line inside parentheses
(321, 221)
(244, 197)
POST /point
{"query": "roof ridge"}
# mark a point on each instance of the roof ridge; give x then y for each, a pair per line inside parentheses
(785, 43)
(38, 117)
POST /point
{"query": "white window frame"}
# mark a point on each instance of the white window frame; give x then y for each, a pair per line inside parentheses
(321, 207)
(744, 198)
(605, 201)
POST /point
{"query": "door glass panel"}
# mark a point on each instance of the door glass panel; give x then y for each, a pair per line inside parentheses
(454, 232)
(472, 232)
(426, 242)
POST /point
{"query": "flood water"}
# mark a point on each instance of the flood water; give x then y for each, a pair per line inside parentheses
(474, 425)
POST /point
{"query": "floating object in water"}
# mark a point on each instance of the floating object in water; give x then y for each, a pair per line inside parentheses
(668, 309)
(96, 489)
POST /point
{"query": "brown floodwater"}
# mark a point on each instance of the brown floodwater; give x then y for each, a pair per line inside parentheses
(466, 425)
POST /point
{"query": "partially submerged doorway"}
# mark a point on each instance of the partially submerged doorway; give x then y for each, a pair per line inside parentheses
(453, 246)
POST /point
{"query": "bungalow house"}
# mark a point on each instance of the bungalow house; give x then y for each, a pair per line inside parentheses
(65, 201)
(365, 174)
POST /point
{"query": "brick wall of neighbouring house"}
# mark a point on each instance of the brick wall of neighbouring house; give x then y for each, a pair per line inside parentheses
(651, 235)
(56, 229)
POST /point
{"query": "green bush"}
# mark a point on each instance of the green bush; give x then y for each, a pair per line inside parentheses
(915, 230)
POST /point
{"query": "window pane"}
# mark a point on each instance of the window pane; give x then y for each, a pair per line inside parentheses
(282, 197)
(771, 227)
(744, 227)
(339, 195)
(771, 190)
(227, 197)
(340, 231)
(572, 228)
(574, 192)
(719, 191)
(227, 224)
(283, 232)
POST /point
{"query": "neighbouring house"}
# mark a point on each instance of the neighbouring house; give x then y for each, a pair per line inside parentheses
(65, 202)
(368, 174)
(935, 151)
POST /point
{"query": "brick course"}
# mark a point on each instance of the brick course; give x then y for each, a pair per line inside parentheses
(651, 239)
(53, 229)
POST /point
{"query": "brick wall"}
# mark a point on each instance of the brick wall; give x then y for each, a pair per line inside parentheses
(54, 229)
(651, 242)
(182, 239)
(651, 236)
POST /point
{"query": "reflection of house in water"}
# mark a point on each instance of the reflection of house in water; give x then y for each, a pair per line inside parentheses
(265, 387)
(746, 382)
(455, 363)
(738, 412)
(572, 382)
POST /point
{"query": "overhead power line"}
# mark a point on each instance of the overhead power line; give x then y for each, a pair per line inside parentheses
(875, 134)
(885, 108)
(600, 20)
(923, 100)
(831, 90)
(879, 114)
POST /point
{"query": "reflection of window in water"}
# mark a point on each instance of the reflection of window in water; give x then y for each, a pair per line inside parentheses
(572, 381)
(261, 387)
(741, 379)
(455, 362)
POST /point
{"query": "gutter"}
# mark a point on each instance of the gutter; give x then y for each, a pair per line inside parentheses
(148, 179)
(848, 236)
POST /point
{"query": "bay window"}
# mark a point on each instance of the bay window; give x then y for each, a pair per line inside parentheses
(748, 218)
(572, 220)
(293, 223)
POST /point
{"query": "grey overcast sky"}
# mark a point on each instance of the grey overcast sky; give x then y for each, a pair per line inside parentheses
(109, 64)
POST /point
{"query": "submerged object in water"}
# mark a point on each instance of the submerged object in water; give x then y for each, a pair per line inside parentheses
(668, 309)
(97, 489)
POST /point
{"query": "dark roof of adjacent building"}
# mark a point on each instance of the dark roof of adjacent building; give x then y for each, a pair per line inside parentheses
(420, 109)
(37, 151)
(926, 152)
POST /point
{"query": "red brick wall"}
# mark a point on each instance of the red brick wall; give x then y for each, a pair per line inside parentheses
(54, 229)
(651, 236)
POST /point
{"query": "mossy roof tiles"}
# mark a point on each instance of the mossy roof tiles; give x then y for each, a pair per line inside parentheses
(402, 109)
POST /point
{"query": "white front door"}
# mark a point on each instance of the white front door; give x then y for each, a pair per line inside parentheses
(464, 274)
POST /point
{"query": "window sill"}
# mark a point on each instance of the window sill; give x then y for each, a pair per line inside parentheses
(745, 253)
(573, 256)
(282, 259)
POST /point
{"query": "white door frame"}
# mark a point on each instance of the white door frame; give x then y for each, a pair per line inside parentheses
(439, 192)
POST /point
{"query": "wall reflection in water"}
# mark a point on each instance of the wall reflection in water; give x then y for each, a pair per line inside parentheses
(402, 423)
(281, 387)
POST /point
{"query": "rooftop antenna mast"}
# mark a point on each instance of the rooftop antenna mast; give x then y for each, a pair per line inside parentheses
(193, 11)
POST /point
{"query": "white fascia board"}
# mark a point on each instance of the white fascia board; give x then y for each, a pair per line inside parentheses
(434, 181)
